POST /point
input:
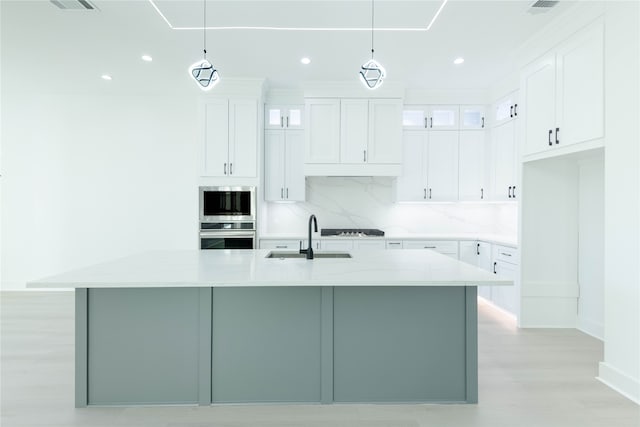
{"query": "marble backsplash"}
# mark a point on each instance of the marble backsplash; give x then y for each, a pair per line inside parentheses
(369, 202)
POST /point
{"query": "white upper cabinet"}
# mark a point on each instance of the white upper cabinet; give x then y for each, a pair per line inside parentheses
(430, 167)
(369, 136)
(370, 131)
(563, 94)
(472, 117)
(354, 130)
(442, 166)
(444, 117)
(506, 109)
(431, 117)
(471, 166)
(412, 183)
(284, 117)
(230, 138)
(385, 131)
(322, 131)
(284, 159)
(504, 162)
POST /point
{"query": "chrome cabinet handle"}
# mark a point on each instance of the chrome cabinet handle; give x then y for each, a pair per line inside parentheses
(425, 194)
(281, 121)
(225, 168)
(483, 122)
(505, 254)
(281, 246)
(281, 193)
(431, 122)
(481, 193)
(425, 122)
(429, 247)
(364, 158)
(287, 192)
(429, 194)
(287, 121)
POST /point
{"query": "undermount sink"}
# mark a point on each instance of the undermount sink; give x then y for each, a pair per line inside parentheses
(283, 255)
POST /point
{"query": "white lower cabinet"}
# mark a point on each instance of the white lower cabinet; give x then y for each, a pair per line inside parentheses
(369, 244)
(478, 254)
(505, 263)
(285, 245)
(335, 245)
(445, 247)
(394, 244)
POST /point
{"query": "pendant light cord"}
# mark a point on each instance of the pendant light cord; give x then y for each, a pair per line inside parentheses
(372, 14)
(204, 29)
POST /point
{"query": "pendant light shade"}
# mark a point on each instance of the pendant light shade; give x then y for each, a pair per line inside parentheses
(203, 71)
(205, 74)
(372, 74)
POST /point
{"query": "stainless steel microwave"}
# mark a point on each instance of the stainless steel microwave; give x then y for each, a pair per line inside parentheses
(227, 204)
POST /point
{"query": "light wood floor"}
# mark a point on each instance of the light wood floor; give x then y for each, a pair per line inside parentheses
(541, 377)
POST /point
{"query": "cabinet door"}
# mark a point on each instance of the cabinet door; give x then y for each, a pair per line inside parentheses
(539, 85)
(472, 117)
(506, 296)
(468, 252)
(368, 244)
(443, 117)
(322, 131)
(336, 245)
(385, 132)
(442, 166)
(274, 165)
(411, 185)
(580, 88)
(415, 117)
(289, 245)
(216, 138)
(506, 109)
(503, 161)
(483, 252)
(471, 166)
(243, 137)
(354, 119)
(294, 166)
(283, 117)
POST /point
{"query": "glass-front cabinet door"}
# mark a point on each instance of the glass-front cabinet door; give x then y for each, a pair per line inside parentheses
(472, 117)
(415, 117)
(443, 117)
(284, 117)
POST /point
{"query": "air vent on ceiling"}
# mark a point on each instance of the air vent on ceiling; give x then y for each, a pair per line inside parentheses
(74, 4)
(541, 6)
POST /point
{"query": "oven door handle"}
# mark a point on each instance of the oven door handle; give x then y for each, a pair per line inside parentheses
(222, 234)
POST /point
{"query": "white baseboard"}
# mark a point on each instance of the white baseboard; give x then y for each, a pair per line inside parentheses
(589, 327)
(622, 383)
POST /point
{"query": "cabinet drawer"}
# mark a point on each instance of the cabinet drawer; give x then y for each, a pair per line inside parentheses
(449, 247)
(394, 244)
(290, 245)
(506, 254)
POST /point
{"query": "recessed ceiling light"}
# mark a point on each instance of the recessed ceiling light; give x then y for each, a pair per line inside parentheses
(147, 58)
(106, 77)
(458, 61)
(305, 61)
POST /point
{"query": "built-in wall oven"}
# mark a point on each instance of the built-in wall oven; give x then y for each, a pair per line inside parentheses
(227, 217)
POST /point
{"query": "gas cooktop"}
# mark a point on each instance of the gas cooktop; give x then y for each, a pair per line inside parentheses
(352, 232)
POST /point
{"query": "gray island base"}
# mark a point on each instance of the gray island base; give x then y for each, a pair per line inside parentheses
(309, 339)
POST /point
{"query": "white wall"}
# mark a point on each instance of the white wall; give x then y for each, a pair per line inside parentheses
(90, 178)
(366, 202)
(591, 246)
(621, 366)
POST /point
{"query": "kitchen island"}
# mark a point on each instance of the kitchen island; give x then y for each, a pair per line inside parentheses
(202, 327)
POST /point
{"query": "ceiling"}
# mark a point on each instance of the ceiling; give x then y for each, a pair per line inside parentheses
(68, 50)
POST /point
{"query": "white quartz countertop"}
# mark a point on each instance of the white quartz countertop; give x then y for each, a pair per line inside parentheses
(235, 268)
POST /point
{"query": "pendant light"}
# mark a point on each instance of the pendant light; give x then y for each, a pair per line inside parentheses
(203, 71)
(371, 72)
